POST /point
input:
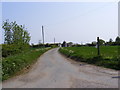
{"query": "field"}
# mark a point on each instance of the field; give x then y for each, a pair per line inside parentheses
(15, 63)
(109, 56)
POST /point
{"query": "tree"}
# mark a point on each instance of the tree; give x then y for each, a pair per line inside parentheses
(101, 42)
(70, 44)
(110, 40)
(117, 41)
(94, 43)
(20, 35)
(64, 44)
(16, 38)
(8, 33)
(15, 34)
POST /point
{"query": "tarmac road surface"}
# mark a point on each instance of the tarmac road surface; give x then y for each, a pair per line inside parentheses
(53, 70)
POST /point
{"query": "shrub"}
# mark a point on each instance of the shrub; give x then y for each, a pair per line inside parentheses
(11, 49)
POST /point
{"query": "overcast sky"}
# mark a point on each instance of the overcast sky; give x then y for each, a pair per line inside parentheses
(77, 22)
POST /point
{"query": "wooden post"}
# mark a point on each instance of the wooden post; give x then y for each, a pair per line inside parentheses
(54, 40)
(43, 34)
(98, 46)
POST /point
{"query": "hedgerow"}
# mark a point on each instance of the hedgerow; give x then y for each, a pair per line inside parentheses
(15, 63)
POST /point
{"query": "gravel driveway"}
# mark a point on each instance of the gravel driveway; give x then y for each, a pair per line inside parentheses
(52, 70)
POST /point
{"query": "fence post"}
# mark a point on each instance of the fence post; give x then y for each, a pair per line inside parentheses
(98, 46)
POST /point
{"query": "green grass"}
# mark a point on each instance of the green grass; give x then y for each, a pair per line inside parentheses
(109, 52)
(13, 64)
(108, 55)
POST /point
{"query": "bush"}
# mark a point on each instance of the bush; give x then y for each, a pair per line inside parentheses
(11, 49)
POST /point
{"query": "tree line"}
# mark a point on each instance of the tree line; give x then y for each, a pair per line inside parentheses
(108, 43)
(94, 43)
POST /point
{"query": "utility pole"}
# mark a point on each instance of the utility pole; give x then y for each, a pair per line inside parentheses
(43, 34)
(98, 46)
(54, 40)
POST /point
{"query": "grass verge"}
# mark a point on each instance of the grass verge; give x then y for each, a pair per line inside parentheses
(13, 64)
(109, 57)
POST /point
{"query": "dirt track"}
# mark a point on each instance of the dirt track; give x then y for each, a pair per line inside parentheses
(52, 70)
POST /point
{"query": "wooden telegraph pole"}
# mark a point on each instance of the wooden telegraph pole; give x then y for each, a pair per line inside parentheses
(54, 40)
(43, 34)
(98, 46)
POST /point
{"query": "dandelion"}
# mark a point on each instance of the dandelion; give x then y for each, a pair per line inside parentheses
(70, 51)
(13, 64)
